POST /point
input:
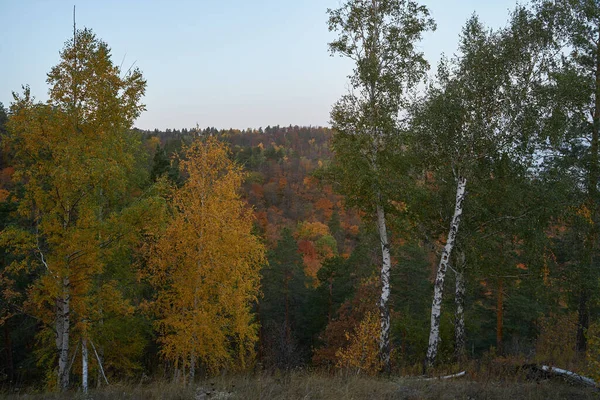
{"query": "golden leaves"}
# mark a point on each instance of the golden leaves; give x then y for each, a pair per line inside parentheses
(76, 159)
(362, 352)
(206, 264)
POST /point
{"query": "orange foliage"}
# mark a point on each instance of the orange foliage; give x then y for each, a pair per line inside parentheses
(326, 206)
(282, 182)
(257, 190)
(312, 263)
(6, 176)
(309, 182)
(261, 219)
(353, 230)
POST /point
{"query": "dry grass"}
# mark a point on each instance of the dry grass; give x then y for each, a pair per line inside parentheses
(303, 385)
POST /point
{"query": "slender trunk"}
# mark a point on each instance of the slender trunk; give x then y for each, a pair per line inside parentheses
(500, 316)
(583, 322)
(62, 335)
(192, 368)
(175, 370)
(384, 312)
(100, 352)
(261, 336)
(100, 361)
(330, 305)
(436, 307)
(84, 365)
(459, 300)
(288, 330)
(9, 355)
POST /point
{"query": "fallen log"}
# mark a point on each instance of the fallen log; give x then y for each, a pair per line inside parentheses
(537, 372)
(570, 375)
(458, 375)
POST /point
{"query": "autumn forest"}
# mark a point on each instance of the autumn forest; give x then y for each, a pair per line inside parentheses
(444, 222)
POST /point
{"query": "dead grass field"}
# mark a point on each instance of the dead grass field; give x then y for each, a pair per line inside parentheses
(305, 385)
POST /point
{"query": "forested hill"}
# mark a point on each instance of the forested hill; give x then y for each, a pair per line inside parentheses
(280, 185)
(317, 255)
(472, 241)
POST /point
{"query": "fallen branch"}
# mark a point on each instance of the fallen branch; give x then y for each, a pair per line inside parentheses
(458, 375)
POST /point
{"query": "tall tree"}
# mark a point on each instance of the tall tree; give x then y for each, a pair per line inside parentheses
(76, 159)
(380, 37)
(483, 107)
(206, 265)
(576, 113)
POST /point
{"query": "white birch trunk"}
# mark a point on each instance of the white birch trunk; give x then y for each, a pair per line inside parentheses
(84, 365)
(436, 307)
(63, 325)
(192, 367)
(459, 300)
(384, 312)
(99, 363)
(100, 357)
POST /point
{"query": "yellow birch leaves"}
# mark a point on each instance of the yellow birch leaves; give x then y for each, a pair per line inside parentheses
(206, 265)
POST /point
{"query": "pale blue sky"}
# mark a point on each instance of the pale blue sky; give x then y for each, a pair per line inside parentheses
(222, 63)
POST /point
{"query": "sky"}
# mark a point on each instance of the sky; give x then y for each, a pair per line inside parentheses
(220, 63)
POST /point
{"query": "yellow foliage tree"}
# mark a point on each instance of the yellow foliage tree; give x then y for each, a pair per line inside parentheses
(362, 352)
(206, 266)
(77, 161)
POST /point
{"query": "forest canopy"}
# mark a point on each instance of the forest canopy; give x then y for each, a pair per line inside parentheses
(448, 214)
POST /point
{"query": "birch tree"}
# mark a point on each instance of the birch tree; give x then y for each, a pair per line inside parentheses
(482, 107)
(380, 37)
(205, 266)
(76, 160)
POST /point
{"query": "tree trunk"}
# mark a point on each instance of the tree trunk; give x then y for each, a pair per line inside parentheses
(9, 355)
(384, 312)
(192, 368)
(500, 316)
(100, 357)
(288, 329)
(583, 322)
(261, 335)
(330, 304)
(459, 300)
(84, 365)
(62, 335)
(436, 307)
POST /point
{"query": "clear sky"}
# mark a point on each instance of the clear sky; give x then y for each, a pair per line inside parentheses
(221, 63)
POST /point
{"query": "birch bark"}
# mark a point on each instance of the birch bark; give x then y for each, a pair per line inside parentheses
(63, 325)
(384, 312)
(459, 300)
(84, 365)
(436, 307)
